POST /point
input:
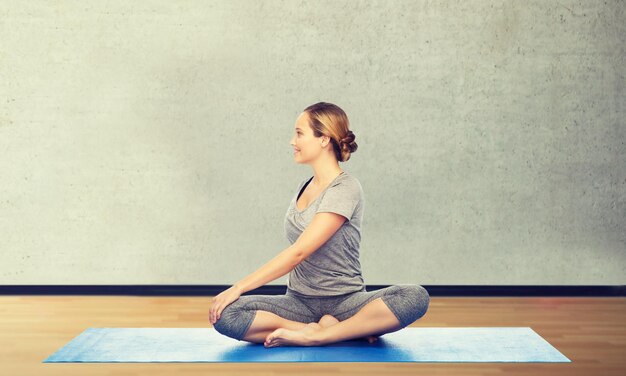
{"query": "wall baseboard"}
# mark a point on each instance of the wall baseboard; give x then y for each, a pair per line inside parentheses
(212, 290)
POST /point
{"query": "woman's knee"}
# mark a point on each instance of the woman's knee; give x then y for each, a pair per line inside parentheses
(234, 320)
(415, 300)
(420, 297)
(227, 318)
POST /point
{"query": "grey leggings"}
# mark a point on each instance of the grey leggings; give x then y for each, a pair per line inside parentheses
(407, 302)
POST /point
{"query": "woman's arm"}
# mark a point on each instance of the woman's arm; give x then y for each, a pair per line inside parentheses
(319, 231)
(321, 228)
(277, 267)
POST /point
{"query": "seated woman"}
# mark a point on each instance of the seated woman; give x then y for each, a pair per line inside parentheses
(326, 300)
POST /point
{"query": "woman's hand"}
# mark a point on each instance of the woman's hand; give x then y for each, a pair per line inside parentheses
(221, 301)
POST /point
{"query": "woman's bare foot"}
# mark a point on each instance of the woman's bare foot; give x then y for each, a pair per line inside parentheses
(310, 328)
(304, 336)
(329, 320)
(284, 337)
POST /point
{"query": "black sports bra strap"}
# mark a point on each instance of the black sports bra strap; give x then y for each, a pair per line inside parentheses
(302, 190)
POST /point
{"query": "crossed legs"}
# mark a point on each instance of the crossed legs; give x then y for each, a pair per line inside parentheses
(267, 322)
(375, 317)
(252, 318)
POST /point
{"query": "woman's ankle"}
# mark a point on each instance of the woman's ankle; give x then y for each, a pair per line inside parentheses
(328, 320)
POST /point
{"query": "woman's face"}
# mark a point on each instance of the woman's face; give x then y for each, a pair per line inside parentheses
(306, 146)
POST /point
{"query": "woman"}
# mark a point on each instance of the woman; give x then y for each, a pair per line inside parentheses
(326, 300)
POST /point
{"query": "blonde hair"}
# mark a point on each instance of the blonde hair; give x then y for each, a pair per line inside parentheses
(327, 119)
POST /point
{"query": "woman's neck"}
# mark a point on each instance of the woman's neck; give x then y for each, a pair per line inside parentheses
(323, 178)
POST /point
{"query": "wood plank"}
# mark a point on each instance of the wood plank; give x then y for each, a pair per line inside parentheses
(590, 331)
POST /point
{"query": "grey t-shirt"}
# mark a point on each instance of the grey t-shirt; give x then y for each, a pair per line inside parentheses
(334, 268)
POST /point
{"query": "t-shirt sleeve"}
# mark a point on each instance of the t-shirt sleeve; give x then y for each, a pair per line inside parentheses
(342, 198)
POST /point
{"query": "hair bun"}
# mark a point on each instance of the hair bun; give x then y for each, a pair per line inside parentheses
(347, 143)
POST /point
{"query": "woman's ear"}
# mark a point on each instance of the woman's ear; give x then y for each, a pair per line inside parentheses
(325, 140)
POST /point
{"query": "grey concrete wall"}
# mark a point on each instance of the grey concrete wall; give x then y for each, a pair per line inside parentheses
(148, 142)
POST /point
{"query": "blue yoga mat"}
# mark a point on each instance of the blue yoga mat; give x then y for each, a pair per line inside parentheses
(498, 344)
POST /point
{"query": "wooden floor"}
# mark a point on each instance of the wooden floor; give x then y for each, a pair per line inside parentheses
(589, 331)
